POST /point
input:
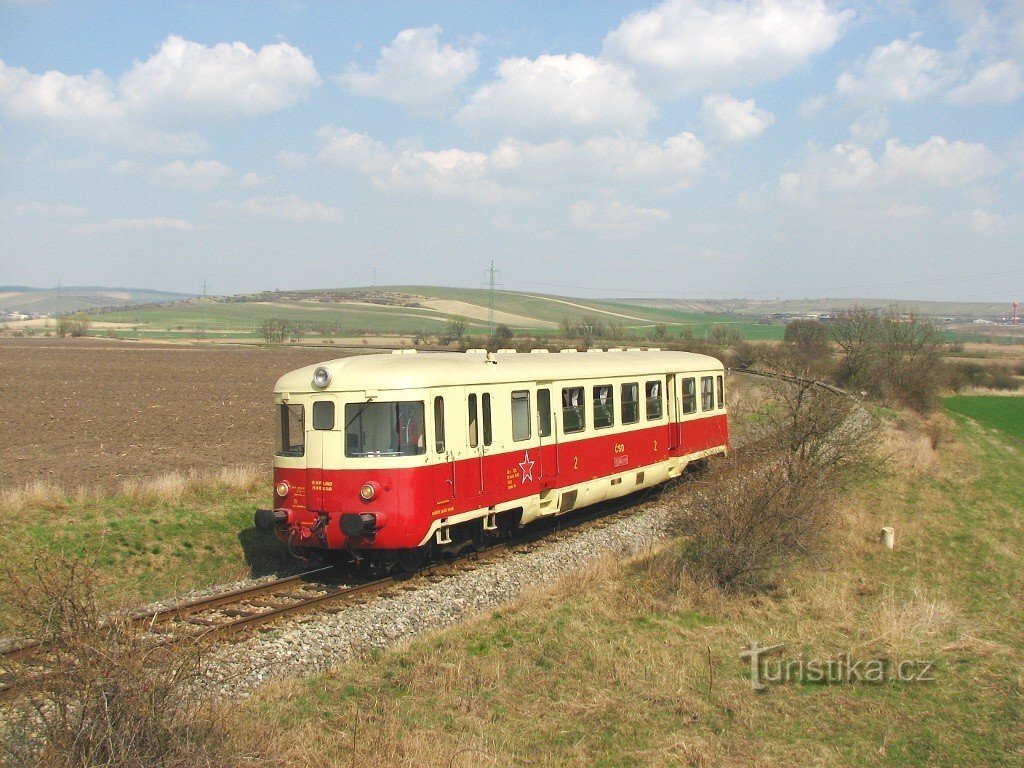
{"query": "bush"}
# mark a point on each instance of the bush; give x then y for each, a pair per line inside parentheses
(890, 356)
(73, 325)
(773, 505)
(117, 699)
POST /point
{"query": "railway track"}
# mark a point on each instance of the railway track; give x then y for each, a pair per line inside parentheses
(330, 588)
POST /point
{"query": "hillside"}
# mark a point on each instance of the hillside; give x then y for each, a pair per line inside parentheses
(76, 298)
(960, 310)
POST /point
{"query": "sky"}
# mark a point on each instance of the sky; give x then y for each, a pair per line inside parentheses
(757, 149)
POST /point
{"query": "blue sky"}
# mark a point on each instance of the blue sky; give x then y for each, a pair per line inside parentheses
(689, 149)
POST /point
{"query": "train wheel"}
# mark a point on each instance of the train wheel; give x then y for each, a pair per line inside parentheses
(411, 560)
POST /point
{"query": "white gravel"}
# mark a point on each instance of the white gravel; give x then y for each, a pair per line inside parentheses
(316, 642)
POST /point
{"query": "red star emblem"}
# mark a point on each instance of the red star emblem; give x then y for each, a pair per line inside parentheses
(526, 466)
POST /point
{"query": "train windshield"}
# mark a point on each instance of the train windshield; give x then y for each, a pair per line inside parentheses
(384, 429)
(291, 430)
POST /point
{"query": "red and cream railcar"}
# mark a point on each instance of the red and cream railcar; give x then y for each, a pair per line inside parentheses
(402, 452)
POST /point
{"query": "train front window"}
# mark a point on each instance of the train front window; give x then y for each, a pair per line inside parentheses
(384, 429)
(323, 414)
(291, 430)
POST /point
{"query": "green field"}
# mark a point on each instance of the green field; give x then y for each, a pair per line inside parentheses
(1003, 413)
(538, 315)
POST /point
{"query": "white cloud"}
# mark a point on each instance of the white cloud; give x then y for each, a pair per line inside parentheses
(999, 83)
(938, 161)
(514, 167)
(901, 71)
(202, 174)
(984, 222)
(291, 208)
(613, 215)
(851, 169)
(182, 81)
(225, 80)
(49, 210)
(56, 96)
(691, 45)
(155, 223)
(734, 119)
(556, 96)
(416, 71)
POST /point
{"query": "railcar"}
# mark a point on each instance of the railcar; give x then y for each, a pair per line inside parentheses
(393, 456)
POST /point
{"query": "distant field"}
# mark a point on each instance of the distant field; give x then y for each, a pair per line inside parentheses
(533, 314)
(1003, 413)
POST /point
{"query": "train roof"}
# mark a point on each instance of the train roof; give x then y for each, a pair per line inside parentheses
(409, 369)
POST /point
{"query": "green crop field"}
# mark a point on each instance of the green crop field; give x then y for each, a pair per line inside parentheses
(1003, 413)
(533, 314)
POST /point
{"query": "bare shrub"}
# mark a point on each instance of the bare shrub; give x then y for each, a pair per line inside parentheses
(243, 477)
(890, 356)
(774, 504)
(109, 697)
(38, 494)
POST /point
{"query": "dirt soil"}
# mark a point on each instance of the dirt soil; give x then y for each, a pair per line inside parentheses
(81, 412)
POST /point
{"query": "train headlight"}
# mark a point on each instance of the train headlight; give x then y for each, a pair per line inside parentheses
(369, 491)
(282, 488)
(321, 377)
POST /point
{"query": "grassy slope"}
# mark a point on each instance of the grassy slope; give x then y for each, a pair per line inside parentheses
(612, 669)
(148, 549)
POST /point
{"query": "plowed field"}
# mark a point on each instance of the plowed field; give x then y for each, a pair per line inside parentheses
(81, 412)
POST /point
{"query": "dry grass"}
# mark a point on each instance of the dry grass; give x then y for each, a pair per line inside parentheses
(171, 488)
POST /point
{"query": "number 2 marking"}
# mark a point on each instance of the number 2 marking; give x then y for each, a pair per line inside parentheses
(655, 445)
(575, 462)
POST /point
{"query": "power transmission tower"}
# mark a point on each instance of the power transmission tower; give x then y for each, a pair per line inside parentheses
(492, 286)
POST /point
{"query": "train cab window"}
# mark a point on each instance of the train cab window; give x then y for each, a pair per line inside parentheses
(630, 394)
(653, 392)
(574, 410)
(690, 395)
(544, 412)
(384, 429)
(291, 430)
(707, 393)
(521, 415)
(439, 424)
(323, 414)
(721, 391)
(474, 424)
(485, 401)
(604, 408)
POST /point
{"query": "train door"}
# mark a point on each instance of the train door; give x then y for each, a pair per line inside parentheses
(443, 454)
(547, 469)
(481, 435)
(319, 446)
(672, 396)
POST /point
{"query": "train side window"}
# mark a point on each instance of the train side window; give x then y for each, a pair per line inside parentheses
(486, 403)
(323, 414)
(690, 395)
(604, 407)
(721, 392)
(707, 393)
(474, 426)
(630, 395)
(520, 415)
(439, 424)
(653, 391)
(544, 412)
(291, 430)
(574, 410)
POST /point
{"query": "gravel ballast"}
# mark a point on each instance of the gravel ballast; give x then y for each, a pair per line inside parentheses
(319, 641)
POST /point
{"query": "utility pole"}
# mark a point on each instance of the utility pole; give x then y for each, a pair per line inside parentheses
(491, 287)
(202, 332)
(374, 284)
